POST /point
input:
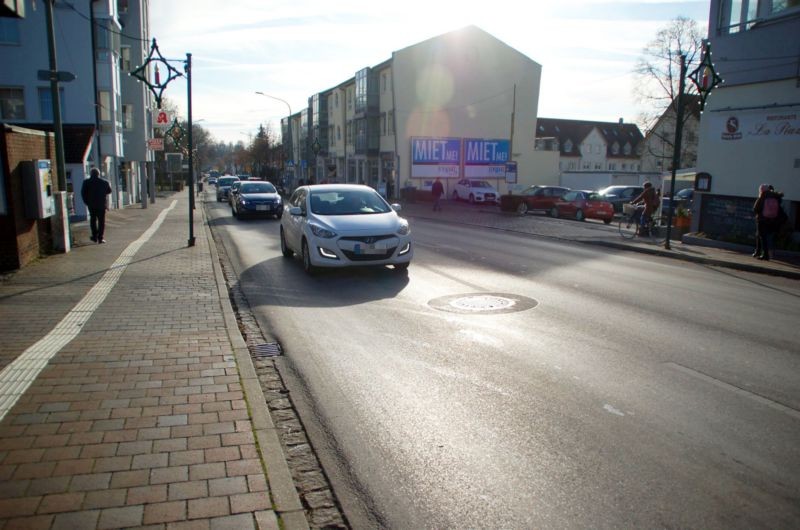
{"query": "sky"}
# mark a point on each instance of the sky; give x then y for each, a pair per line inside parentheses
(292, 49)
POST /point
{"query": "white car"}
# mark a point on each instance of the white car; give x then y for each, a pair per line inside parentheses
(475, 191)
(344, 225)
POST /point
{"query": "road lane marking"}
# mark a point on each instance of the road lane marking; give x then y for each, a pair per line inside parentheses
(18, 376)
(735, 389)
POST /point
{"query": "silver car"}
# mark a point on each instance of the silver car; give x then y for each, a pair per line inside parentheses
(224, 187)
(342, 225)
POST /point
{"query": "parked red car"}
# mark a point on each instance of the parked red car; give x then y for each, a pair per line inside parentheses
(583, 205)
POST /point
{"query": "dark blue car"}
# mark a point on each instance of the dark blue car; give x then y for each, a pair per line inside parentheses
(257, 199)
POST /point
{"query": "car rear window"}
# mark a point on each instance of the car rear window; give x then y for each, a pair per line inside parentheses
(257, 187)
(227, 181)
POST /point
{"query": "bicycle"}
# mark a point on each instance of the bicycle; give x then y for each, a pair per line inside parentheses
(654, 230)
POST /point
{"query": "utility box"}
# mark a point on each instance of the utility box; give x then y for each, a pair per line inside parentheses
(37, 189)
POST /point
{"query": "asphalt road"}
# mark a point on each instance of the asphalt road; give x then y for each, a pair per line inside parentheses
(620, 390)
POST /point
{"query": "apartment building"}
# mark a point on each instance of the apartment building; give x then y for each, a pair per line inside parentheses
(464, 89)
(137, 164)
(594, 154)
(750, 128)
(91, 44)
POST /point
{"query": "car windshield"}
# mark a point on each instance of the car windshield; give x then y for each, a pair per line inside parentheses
(227, 181)
(348, 202)
(570, 196)
(532, 190)
(257, 187)
(479, 184)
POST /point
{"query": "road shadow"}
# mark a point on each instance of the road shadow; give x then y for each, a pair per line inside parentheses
(282, 282)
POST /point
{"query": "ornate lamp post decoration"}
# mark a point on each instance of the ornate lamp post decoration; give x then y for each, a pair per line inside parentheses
(157, 87)
(705, 77)
(176, 132)
(155, 58)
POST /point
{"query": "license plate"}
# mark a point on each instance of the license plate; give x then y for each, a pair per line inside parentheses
(262, 207)
(367, 249)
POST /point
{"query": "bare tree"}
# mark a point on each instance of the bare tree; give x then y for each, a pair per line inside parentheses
(657, 82)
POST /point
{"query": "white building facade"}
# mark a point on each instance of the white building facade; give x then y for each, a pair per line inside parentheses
(750, 128)
(464, 89)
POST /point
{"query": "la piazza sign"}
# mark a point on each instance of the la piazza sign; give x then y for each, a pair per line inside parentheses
(758, 126)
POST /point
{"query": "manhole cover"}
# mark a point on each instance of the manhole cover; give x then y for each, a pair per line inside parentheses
(477, 303)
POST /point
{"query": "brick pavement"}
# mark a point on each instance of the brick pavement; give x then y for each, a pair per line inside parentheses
(144, 419)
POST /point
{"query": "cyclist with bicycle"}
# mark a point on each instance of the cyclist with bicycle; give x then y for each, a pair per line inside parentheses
(647, 202)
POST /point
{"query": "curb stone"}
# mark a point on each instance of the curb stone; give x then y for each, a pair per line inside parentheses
(285, 499)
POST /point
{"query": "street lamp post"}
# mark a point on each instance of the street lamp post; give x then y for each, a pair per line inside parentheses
(288, 120)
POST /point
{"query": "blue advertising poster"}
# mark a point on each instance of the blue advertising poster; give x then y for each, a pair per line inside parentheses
(486, 158)
(435, 157)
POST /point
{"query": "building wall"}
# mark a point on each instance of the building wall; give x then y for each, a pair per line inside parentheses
(21, 239)
(462, 85)
(740, 160)
(73, 54)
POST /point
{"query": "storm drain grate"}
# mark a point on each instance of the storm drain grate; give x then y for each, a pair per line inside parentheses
(268, 349)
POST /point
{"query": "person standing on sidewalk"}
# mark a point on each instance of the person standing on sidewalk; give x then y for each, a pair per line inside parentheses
(94, 193)
(768, 213)
(437, 190)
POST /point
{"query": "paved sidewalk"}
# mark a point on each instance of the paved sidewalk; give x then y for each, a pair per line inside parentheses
(128, 394)
(593, 232)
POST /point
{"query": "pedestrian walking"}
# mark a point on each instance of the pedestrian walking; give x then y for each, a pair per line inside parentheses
(437, 190)
(769, 218)
(94, 193)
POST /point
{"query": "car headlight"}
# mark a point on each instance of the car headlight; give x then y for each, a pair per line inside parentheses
(404, 229)
(322, 232)
(244, 202)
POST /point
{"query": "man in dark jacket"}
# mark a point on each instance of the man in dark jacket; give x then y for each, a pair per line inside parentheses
(94, 192)
(437, 190)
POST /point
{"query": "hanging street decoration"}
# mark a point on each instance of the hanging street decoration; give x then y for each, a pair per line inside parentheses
(175, 132)
(705, 77)
(155, 59)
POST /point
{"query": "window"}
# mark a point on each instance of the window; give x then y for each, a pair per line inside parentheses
(127, 116)
(9, 30)
(568, 147)
(105, 105)
(390, 123)
(615, 148)
(598, 165)
(586, 165)
(336, 99)
(383, 83)
(125, 58)
(612, 166)
(12, 103)
(627, 148)
(338, 132)
(46, 103)
(349, 99)
(383, 124)
(597, 149)
(741, 15)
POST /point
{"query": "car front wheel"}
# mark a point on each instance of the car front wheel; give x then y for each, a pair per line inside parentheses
(580, 216)
(455, 195)
(554, 212)
(307, 265)
(522, 209)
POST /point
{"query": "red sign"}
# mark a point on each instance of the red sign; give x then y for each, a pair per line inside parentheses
(155, 144)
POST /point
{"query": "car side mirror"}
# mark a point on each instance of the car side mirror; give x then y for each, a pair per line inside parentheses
(295, 210)
(396, 207)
